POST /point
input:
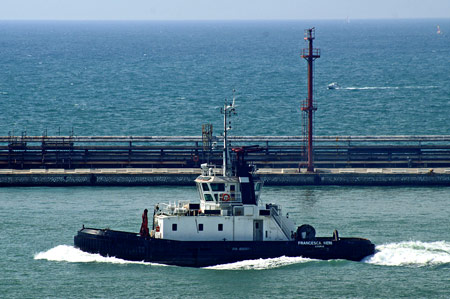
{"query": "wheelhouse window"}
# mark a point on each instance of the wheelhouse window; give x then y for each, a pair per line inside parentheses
(217, 187)
(205, 187)
(200, 226)
(174, 227)
(220, 227)
(208, 197)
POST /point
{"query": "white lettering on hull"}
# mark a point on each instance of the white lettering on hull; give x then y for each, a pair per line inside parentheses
(315, 243)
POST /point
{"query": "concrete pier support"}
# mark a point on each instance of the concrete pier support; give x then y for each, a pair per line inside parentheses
(185, 177)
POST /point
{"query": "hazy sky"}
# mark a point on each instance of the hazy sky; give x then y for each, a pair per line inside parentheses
(220, 9)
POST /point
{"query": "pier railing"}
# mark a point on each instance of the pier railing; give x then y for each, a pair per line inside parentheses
(26, 152)
(190, 139)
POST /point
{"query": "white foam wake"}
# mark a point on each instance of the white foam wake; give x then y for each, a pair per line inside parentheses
(262, 264)
(385, 87)
(65, 253)
(412, 253)
(370, 88)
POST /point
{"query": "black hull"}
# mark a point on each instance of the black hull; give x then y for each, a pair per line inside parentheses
(131, 246)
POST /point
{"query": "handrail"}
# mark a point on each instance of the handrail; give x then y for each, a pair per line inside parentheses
(280, 222)
(100, 139)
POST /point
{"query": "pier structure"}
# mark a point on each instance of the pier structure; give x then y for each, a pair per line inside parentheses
(176, 160)
(70, 152)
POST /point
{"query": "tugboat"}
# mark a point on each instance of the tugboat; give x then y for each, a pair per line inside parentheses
(227, 225)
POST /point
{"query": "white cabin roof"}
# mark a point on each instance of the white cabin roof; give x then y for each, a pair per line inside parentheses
(216, 179)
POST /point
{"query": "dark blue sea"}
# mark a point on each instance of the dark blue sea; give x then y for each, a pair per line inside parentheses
(169, 78)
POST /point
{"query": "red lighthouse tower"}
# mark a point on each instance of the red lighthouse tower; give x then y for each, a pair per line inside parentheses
(310, 54)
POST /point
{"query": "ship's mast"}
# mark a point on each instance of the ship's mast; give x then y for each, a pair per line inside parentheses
(310, 54)
(227, 110)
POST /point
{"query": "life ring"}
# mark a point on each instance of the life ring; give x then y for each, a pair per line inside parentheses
(226, 197)
(157, 229)
(195, 158)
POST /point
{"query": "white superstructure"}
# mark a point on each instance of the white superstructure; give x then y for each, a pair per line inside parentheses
(221, 215)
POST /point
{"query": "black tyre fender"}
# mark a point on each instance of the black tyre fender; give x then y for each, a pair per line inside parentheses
(306, 232)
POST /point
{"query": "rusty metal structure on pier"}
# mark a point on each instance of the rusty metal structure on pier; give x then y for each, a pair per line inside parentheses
(310, 54)
(71, 152)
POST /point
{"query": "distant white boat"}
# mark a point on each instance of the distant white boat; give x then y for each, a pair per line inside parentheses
(438, 30)
(333, 85)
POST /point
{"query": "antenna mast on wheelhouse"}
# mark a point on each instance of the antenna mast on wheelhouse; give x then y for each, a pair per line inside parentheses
(227, 111)
(310, 54)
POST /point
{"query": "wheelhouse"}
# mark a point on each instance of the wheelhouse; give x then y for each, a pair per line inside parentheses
(218, 192)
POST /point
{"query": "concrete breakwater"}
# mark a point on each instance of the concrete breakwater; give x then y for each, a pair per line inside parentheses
(186, 176)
